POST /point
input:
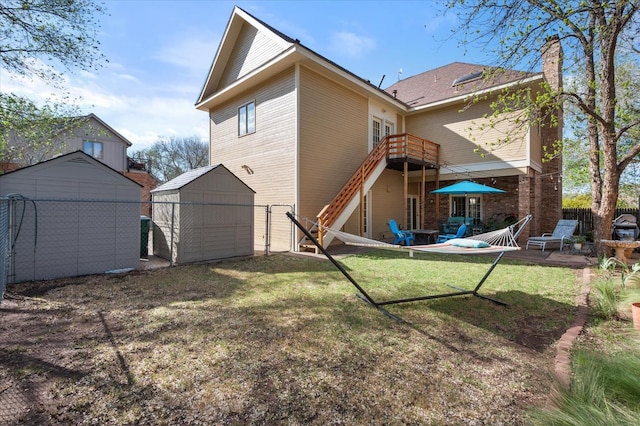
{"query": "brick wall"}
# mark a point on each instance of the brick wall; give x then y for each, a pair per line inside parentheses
(148, 183)
(498, 205)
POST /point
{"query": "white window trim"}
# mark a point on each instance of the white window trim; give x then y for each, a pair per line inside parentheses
(466, 204)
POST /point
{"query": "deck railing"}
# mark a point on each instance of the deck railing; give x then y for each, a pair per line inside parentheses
(398, 146)
(413, 147)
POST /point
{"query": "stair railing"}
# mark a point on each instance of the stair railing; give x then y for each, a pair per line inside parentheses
(392, 146)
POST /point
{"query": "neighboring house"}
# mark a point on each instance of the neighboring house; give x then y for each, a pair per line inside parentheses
(304, 132)
(99, 140)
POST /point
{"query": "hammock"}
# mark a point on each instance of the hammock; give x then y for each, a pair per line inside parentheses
(499, 241)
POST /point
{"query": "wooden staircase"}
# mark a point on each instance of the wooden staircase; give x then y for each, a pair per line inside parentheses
(391, 151)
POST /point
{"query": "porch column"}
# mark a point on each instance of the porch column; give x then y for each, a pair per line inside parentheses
(529, 192)
(405, 176)
(423, 196)
(437, 200)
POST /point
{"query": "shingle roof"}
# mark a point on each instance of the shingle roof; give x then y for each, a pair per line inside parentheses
(185, 178)
(437, 84)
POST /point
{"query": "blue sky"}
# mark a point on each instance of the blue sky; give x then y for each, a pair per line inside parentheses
(160, 51)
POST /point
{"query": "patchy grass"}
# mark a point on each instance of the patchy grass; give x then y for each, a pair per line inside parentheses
(283, 339)
(605, 384)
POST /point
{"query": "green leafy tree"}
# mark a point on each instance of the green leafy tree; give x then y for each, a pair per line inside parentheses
(576, 176)
(32, 133)
(172, 156)
(593, 34)
(41, 39)
(578, 201)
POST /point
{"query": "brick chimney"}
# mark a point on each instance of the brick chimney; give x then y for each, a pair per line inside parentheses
(552, 62)
(551, 176)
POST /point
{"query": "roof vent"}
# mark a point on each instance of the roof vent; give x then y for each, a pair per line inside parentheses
(467, 78)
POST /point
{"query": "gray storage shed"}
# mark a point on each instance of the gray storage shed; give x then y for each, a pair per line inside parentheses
(70, 216)
(203, 214)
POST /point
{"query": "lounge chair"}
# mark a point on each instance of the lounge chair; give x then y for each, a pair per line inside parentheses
(459, 234)
(400, 235)
(564, 230)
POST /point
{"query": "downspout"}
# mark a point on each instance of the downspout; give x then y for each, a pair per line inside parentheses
(423, 196)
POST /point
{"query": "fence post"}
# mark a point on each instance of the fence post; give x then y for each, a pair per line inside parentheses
(173, 209)
(266, 230)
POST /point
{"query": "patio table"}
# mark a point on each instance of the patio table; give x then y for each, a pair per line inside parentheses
(425, 236)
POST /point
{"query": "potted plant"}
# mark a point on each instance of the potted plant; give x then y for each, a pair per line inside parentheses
(578, 241)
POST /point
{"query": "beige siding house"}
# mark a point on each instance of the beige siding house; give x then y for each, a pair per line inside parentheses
(310, 136)
(99, 140)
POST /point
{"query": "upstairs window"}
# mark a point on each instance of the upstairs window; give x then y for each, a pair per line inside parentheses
(247, 119)
(94, 149)
(388, 128)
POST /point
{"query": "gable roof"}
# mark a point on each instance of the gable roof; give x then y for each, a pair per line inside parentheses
(452, 81)
(410, 94)
(292, 51)
(75, 156)
(92, 116)
(227, 45)
(82, 119)
(191, 175)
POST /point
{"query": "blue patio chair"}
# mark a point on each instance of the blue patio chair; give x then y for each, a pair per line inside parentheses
(460, 234)
(400, 235)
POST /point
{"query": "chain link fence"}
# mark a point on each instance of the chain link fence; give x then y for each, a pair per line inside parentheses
(4, 245)
(47, 239)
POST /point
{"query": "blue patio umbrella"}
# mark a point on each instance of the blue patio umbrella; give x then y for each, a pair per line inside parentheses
(467, 187)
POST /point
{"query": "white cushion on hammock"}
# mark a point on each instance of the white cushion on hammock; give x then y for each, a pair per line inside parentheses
(467, 242)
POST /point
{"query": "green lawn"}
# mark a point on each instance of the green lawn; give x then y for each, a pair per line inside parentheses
(284, 340)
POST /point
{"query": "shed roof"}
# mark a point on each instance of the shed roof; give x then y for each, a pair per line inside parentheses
(74, 156)
(188, 177)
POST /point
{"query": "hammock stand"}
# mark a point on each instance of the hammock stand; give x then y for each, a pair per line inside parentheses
(434, 248)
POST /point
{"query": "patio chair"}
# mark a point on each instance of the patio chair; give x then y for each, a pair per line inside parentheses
(400, 235)
(459, 234)
(564, 230)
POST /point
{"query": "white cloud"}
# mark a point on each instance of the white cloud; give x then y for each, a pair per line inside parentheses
(441, 23)
(349, 44)
(127, 77)
(141, 113)
(193, 52)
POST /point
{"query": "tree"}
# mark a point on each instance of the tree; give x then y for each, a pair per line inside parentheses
(59, 32)
(172, 156)
(593, 34)
(32, 134)
(576, 177)
(40, 38)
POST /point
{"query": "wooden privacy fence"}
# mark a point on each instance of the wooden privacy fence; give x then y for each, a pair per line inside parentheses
(585, 217)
